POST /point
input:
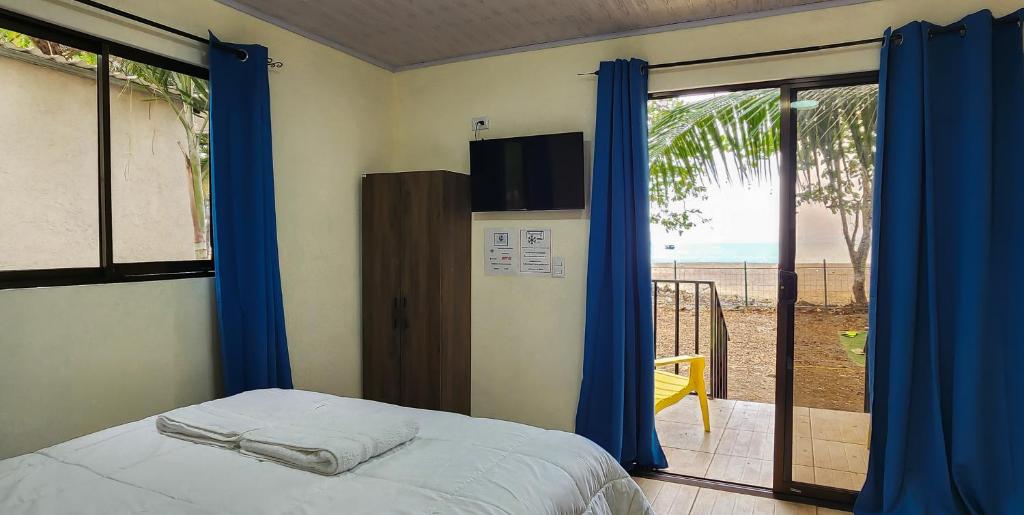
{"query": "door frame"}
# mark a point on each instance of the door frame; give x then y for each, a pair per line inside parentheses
(783, 484)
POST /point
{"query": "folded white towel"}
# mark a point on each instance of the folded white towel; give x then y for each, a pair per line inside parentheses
(207, 425)
(329, 441)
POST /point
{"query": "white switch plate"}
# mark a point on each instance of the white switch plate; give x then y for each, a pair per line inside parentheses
(557, 267)
(480, 123)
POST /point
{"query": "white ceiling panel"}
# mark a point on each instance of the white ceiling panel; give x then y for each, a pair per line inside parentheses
(403, 33)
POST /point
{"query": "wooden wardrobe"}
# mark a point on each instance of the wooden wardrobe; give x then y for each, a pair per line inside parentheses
(416, 275)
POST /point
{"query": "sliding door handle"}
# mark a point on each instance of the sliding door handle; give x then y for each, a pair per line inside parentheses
(787, 287)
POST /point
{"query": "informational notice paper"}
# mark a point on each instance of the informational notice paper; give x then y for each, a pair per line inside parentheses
(535, 251)
(500, 252)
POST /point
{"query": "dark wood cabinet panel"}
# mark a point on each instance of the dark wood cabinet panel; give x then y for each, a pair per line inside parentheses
(421, 342)
(417, 353)
(455, 283)
(381, 253)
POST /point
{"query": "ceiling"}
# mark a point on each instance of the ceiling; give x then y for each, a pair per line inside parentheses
(399, 34)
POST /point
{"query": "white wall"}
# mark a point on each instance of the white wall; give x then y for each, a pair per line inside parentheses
(528, 333)
(102, 355)
(79, 359)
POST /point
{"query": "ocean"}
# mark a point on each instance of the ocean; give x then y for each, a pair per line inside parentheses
(716, 253)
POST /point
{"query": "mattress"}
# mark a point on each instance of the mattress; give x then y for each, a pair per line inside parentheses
(455, 465)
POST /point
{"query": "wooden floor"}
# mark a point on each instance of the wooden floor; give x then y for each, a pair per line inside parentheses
(676, 499)
(830, 447)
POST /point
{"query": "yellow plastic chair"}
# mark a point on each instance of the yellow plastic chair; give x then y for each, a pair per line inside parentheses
(671, 388)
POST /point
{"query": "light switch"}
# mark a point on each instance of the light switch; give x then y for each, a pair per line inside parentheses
(557, 267)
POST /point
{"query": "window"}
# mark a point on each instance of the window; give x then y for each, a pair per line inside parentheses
(160, 166)
(48, 194)
(106, 169)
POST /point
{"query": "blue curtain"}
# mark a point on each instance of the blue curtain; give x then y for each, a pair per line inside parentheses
(254, 348)
(616, 407)
(946, 302)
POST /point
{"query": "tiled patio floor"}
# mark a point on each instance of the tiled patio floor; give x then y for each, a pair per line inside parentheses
(830, 447)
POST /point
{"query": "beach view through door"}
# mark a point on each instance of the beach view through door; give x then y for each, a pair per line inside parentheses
(714, 233)
(716, 192)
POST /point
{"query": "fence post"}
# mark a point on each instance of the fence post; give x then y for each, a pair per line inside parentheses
(677, 324)
(675, 270)
(655, 329)
(824, 277)
(696, 318)
(746, 298)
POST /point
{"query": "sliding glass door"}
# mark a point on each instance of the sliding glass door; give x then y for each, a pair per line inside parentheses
(735, 279)
(828, 152)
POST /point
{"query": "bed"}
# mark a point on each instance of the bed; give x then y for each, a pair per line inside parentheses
(456, 464)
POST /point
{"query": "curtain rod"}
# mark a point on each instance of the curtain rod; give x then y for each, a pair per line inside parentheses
(241, 54)
(956, 27)
(756, 55)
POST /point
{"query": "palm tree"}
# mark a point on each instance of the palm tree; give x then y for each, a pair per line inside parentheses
(736, 136)
(189, 97)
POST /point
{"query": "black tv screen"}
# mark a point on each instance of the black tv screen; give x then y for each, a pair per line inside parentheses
(527, 173)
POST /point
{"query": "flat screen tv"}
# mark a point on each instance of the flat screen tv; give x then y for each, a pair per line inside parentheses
(530, 173)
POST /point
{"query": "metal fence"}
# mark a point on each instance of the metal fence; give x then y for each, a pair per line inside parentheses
(717, 344)
(756, 284)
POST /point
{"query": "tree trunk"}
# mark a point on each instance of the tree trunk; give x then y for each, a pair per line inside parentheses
(859, 287)
(197, 208)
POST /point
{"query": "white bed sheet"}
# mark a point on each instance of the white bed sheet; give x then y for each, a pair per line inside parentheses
(455, 465)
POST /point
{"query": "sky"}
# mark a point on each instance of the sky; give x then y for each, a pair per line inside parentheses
(743, 225)
(738, 213)
(743, 221)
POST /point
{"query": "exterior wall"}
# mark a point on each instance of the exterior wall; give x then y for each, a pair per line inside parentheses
(151, 186)
(48, 190)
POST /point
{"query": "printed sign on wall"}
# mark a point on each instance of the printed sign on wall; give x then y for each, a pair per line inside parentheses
(500, 252)
(535, 251)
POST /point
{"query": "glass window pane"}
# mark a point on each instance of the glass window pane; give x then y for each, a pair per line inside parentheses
(160, 180)
(714, 162)
(49, 194)
(835, 162)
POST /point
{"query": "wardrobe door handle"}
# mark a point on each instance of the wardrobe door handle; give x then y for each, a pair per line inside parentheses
(405, 313)
(396, 328)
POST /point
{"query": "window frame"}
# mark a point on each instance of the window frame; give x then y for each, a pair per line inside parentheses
(783, 486)
(108, 271)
